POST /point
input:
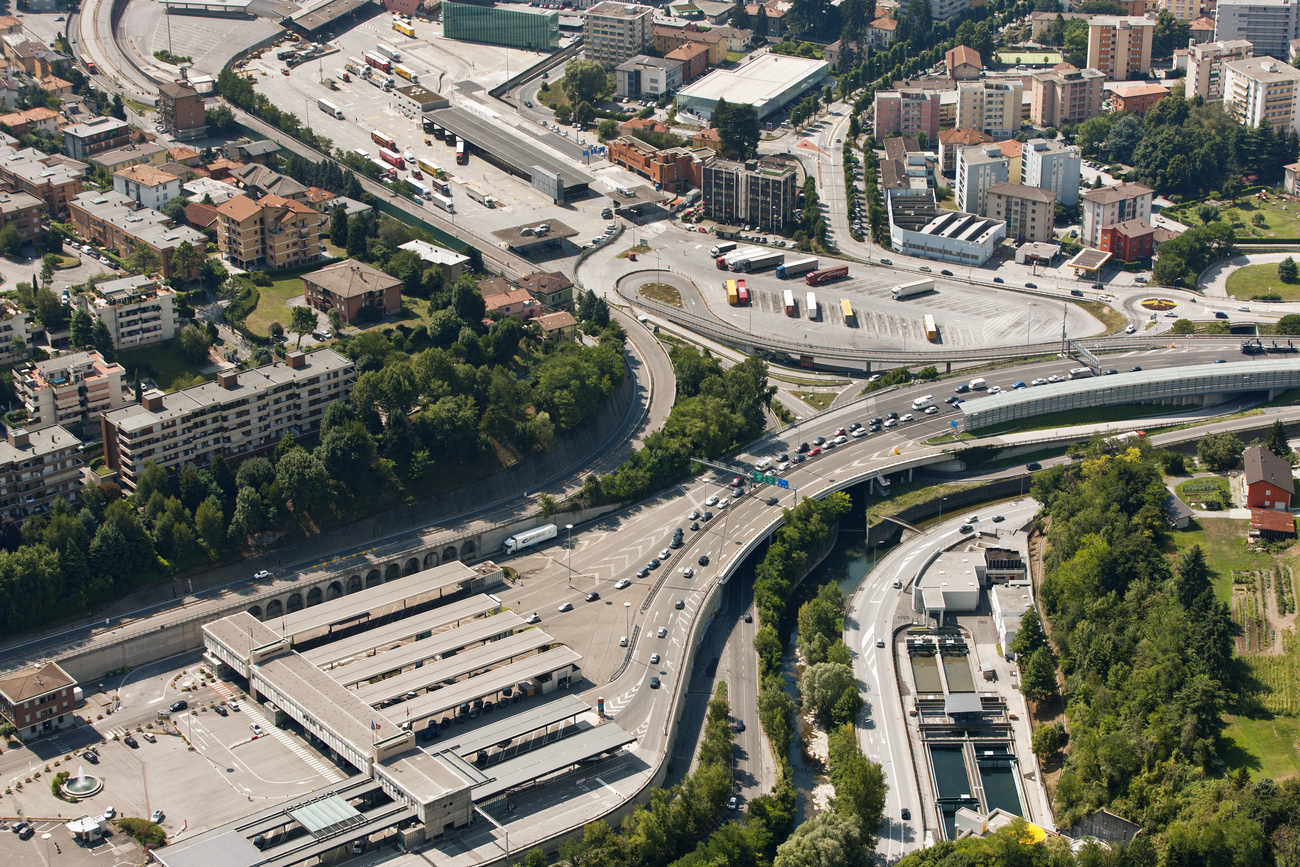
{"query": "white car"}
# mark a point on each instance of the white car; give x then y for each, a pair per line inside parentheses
(841, 439)
(1039, 381)
(688, 572)
(1056, 378)
(995, 389)
(622, 582)
(723, 503)
(891, 422)
(663, 632)
(931, 409)
(1131, 328)
(860, 432)
(907, 417)
(711, 501)
(262, 576)
(532, 618)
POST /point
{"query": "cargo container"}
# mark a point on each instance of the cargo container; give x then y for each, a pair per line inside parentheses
(788, 297)
(389, 51)
(407, 73)
(826, 275)
(378, 61)
(931, 330)
(762, 261)
(330, 108)
(440, 201)
(383, 139)
(393, 158)
(722, 248)
(793, 269)
(911, 290)
(404, 27)
(528, 539)
(742, 294)
(732, 297)
(811, 301)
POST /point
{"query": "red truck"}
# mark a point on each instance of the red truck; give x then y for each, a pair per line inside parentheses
(826, 275)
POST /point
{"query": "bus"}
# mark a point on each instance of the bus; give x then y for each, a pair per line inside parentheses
(393, 158)
(404, 27)
(433, 170)
(931, 330)
(732, 297)
(462, 155)
(383, 139)
(847, 309)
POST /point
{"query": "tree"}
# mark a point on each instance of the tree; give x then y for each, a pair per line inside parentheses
(1046, 743)
(829, 839)
(738, 129)
(194, 343)
(11, 242)
(83, 329)
(1277, 440)
(1219, 452)
(143, 260)
(822, 685)
(185, 259)
(1187, 326)
(1287, 271)
(1208, 213)
(302, 320)
(584, 81)
(1170, 33)
(249, 516)
(1038, 676)
(1125, 134)
(740, 17)
(219, 118)
(608, 128)
(174, 209)
(339, 227)
(210, 523)
(302, 479)
(1192, 578)
(1030, 636)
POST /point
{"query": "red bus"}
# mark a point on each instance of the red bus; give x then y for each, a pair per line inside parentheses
(462, 156)
(383, 139)
(393, 158)
(378, 61)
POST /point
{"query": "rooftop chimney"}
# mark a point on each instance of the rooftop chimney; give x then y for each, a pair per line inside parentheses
(228, 378)
(296, 359)
(153, 400)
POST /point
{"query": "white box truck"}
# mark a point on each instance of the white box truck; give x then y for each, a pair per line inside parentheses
(978, 384)
(438, 200)
(911, 290)
(722, 248)
(330, 108)
(923, 401)
(529, 538)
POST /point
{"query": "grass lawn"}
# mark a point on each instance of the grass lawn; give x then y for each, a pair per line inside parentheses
(1253, 280)
(67, 262)
(1281, 219)
(1027, 55)
(638, 249)
(1107, 315)
(164, 364)
(271, 304)
(907, 494)
(1074, 417)
(662, 292)
(1196, 490)
(1267, 747)
(1223, 541)
(818, 399)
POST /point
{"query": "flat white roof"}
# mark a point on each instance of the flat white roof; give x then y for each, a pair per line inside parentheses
(440, 645)
(364, 644)
(460, 665)
(757, 82)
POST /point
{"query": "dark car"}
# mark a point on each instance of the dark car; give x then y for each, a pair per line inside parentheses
(749, 618)
(967, 528)
(643, 572)
(1111, 372)
(1219, 314)
(998, 280)
(886, 262)
(945, 272)
(803, 447)
(695, 525)
(906, 814)
(892, 415)
(784, 457)
(26, 833)
(18, 827)
(221, 710)
(819, 441)
(1220, 361)
(179, 706)
(593, 596)
(704, 560)
(771, 501)
(131, 742)
(998, 519)
(708, 516)
(1135, 368)
(1031, 285)
(1033, 465)
(877, 421)
(798, 459)
(1077, 293)
(654, 683)
(91, 756)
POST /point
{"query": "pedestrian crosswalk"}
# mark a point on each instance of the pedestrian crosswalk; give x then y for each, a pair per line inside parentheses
(254, 715)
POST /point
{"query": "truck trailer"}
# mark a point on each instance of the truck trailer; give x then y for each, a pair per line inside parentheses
(330, 108)
(389, 51)
(788, 297)
(911, 290)
(529, 538)
(438, 200)
(722, 248)
(811, 302)
(826, 275)
(727, 261)
(762, 261)
(793, 269)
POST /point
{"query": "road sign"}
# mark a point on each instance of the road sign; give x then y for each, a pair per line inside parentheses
(782, 483)
(759, 477)
(953, 423)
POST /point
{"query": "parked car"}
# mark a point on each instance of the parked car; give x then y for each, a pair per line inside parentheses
(131, 742)
(157, 817)
(566, 606)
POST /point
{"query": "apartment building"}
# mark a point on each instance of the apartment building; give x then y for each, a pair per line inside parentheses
(671, 169)
(643, 76)
(1066, 95)
(350, 286)
(38, 700)
(182, 111)
(1028, 212)
(137, 154)
(762, 192)
(1137, 98)
(1120, 46)
(14, 337)
(694, 60)
(22, 210)
(258, 181)
(1268, 25)
(150, 186)
(121, 224)
(991, 106)
(1107, 206)
(615, 32)
(1205, 66)
(1051, 165)
(69, 390)
(978, 168)
(906, 112)
(953, 140)
(272, 232)
(242, 413)
(94, 136)
(1261, 89)
(54, 180)
(136, 310)
(1129, 241)
(905, 169)
(550, 288)
(669, 37)
(1183, 10)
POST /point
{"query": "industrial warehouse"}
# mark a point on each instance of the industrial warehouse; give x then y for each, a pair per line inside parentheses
(430, 658)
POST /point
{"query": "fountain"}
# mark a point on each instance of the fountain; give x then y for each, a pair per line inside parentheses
(83, 785)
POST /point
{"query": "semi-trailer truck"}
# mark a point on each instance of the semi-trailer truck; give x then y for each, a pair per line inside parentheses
(911, 290)
(529, 538)
(762, 261)
(811, 301)
(722, 248)
(787, 270)
(788, 297)
(330, 108)
(826, 275)
(727, 261)
(390, 52)
(438, 200)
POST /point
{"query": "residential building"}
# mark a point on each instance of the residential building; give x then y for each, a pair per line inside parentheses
(1202, 30)
(218, 191)
(1269, 482)
(1137, 98)
(1268, 25)
(1041, 22)
(671, 169)
(953, 140)
(142, 153)
(24, 211)
(1205, 66)
(1052, 165)
(763, 192)
(963, 63)
(1120, 46)
(95, 136)
(919, 227)
(1183, 10)
(263, 152)
(136, 310)
(645, 125)
(13, 333)
(20, 123)
(694, 60)
(243, 413)
(1012, 150)
(54, 180)
(37, 700)
(882, 32)
(185, 156)
(1262, 89)
(272, 232)
(452, 264)
(978, 168)
(56, 86)
(559, 326)
(509, 25)
(707, 138)
(775, 13)
(739, 40)
(349, 286)
(667, 38)
(69, 390)
(990, 106)
(258, 181)
(516, 303)
(151, 187)
(906, 112)
(1066, 95)
(1107, 206)
(615, 32)
(905, 170)
(1029, 212)
(182, 111)
(643, 76)
(551, 288)
(118, 223)
(840, 56)
(1129, 241)
(1292, 182)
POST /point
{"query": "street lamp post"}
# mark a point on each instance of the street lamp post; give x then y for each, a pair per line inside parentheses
(941, 499)
(569, 556)
(627, 618)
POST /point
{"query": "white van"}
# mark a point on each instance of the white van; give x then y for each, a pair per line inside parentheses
(763, 464)
(978, 384)
(923, 401)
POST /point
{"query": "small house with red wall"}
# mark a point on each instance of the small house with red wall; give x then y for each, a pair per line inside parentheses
(1269, 484)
